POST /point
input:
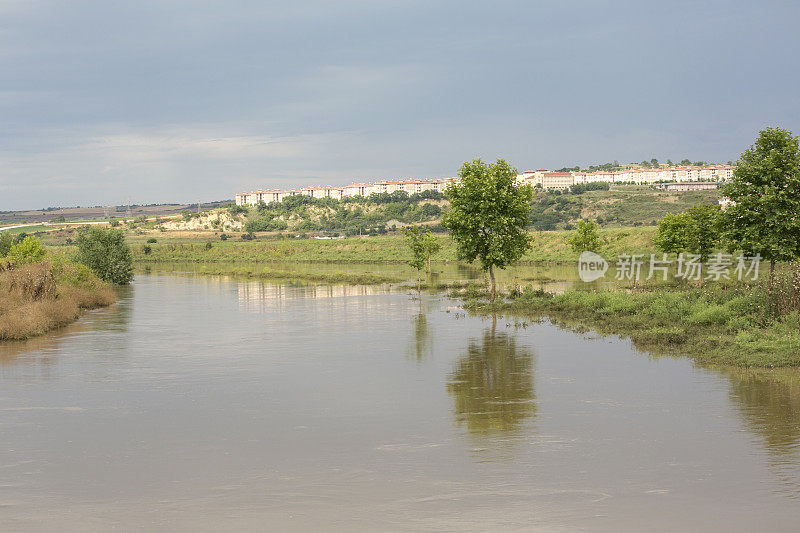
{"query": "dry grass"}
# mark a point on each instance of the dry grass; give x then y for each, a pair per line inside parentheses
(39, 297)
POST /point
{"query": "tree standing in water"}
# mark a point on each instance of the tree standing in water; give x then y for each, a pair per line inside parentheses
(488, 215)
(422, 245)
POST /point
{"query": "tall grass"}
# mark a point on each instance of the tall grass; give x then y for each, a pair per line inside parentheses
(38, 297)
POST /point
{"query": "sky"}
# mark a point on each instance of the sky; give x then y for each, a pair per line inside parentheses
(180, 101)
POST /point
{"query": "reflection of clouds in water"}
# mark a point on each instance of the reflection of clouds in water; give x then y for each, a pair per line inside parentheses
(770, 409)
(492, 385)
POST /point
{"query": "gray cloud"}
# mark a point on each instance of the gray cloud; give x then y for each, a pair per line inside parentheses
(171, 101)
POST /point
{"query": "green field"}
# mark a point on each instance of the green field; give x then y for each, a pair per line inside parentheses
(547, 246)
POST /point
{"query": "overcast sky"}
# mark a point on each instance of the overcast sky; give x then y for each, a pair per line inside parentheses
(183, 100)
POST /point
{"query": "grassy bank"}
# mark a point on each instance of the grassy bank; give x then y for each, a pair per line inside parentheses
(743, 325)
(38, 297)
(548, 247)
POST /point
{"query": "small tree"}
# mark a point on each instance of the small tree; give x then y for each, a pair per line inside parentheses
(764, 217)
(673, 233)
(704, 232)
(696, 231)
(585, 238)
(488, 214)
(106, 253)
(423, 245)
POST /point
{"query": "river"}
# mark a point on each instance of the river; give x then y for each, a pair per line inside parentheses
(214, 404)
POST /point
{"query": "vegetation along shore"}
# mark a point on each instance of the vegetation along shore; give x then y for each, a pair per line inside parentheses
(41, 290)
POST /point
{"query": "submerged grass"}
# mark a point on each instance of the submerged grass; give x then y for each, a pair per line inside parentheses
(741, 326)
(38, 297)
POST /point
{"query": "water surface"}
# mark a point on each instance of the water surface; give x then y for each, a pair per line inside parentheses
(209, 404)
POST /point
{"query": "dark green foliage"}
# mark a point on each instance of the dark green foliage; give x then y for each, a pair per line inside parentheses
(106, 253)
(489, 212)
(152, 240)
(766, 192)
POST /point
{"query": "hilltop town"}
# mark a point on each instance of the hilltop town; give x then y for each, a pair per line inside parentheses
(705, 177)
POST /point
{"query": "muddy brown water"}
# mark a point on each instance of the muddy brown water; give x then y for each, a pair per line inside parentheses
(216, 404)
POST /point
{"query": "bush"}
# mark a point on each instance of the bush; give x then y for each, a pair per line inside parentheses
(113, 222)
(106, 253)
(152, 240)
(223, 237)
(6, 242)
(28, 250)
(146, 249)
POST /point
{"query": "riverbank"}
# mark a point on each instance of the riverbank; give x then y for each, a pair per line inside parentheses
(730, 325)
(39, 297)
(548, 247)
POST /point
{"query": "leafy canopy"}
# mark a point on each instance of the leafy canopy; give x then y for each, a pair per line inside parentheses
(423, 245)
(586, 237)
(106, 253)
(488, 214)
(765, 189)
(696, 231)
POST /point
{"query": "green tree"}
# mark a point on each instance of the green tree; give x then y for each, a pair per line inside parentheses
(28, 250)
(106, 253)
(704, 230)
(654, 162)
(765, 190)
(672, 235)
(423, 245)
(585, 237)
(685, 162)
(488, 214)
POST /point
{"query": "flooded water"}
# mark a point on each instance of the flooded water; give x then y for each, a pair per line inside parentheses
(210, 404)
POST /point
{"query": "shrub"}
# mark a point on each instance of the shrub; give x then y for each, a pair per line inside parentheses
(106, 253)
(28, 250)
(152, 240)
(6, 242)
(113, 222)
(146, 249)
(223, 237)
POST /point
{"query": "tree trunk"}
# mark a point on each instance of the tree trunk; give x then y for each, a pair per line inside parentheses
(491, 276)
(419, 283)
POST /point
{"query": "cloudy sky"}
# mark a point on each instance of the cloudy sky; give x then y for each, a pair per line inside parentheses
(169, 100)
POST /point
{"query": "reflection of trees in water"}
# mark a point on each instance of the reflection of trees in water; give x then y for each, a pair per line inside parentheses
(421, 346)
(492, 385)
(770, 409)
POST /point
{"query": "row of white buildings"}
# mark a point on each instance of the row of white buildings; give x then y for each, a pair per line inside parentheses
(636, 176)
(543, 177)
(354, 189)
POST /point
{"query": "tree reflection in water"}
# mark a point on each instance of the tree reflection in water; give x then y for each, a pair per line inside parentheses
(492, 385)
(421, 346)
(770, 408)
